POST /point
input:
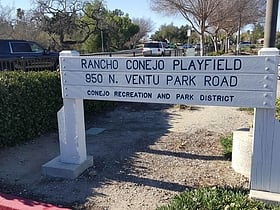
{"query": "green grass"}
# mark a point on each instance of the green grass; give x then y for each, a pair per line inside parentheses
(226, 198)
(277, 109)
(226, 143)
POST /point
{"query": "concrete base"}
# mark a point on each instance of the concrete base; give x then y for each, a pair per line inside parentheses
(265, 196)
(56, 168)
(242, 151)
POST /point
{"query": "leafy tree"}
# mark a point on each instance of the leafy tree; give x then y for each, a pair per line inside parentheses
(174, 34)
(166, 33)
(257, 33)
(121, 29)
(113, 31)
(61, 19)
(97, 24)
(278, 40)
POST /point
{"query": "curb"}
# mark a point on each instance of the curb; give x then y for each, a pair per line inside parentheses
(10, 202)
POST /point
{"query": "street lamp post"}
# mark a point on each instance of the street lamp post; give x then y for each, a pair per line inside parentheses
(271, 23)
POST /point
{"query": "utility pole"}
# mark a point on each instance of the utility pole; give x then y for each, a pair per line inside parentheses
(270, 23)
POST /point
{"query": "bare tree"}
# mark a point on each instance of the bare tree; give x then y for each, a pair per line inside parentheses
(196, 12)
(6, 22)
(210, 16)
(232, 15)
(145, 26)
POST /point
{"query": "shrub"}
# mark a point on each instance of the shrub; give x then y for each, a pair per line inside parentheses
(277, 109)
(29, 102)
(218, 53)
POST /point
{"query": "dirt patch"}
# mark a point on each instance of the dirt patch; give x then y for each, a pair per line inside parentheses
(146, 154)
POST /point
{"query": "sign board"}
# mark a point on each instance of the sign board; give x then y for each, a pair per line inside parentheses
(244, 81)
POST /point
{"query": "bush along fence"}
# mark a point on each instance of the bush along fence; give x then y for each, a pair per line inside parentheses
(29, 102)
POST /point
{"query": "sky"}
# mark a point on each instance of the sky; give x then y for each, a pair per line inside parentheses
(135, 9)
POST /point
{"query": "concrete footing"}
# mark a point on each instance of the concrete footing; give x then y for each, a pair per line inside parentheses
(56, 168)
(242, 151)
(265, 196)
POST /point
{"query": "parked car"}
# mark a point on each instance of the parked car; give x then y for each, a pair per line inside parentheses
(154, 48)
(244, 44)
(26, 55)
(186, 46)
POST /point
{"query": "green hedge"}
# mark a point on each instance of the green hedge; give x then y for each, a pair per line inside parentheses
(29, 102)
(28, 106)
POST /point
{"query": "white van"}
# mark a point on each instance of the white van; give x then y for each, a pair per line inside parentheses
(154, 48)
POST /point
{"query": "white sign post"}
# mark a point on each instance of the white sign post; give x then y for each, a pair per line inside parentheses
(265, 169)
(236, 81)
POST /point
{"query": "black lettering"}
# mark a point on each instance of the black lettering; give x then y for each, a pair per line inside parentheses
(233, 81)
(191, 81)
(169, 78)
(237, 64)
(128, 65)
(216, 98)
(163, 96)
(206, 63)
(227, 66)
(220, 64)
(224, 82)
(83, 63)
(160, 65)
(192, 65)
(200, 63)
(175, 63)
(207, 80)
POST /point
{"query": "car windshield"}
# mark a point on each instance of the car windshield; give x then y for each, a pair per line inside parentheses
(35, 47)
(152, 45)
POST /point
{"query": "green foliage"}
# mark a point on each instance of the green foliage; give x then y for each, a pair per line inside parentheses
(226, 143)
(257, 32)
(216, 199)
(277, 109)
(278, 40)
(120, 29)
(114, 29)
(220, 52)
(174, 34)
(29, 102)
(28, 105)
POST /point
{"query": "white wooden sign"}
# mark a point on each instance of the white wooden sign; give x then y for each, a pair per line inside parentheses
(217, 81)
(245, 81)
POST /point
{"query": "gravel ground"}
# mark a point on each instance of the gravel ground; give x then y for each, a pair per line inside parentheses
(147, 154)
